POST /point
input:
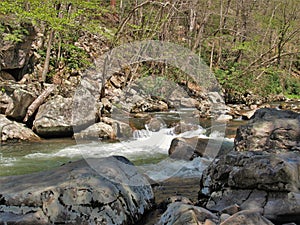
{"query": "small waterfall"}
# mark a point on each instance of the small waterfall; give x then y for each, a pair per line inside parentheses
(140, 134)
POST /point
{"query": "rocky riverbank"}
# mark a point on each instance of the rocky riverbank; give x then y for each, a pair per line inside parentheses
(256, 181)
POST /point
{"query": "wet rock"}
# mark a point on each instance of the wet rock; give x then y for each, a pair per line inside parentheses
(121, 130)
(92, 191)
(155, 124)
(11, 130)
(247, 217)
(54, 118)
(189, 148)
(184, 127)
(270, 130)
(181, 214)
(96, 131)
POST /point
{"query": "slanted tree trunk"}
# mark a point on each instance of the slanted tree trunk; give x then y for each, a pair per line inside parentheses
(47, 59)
(38, 101)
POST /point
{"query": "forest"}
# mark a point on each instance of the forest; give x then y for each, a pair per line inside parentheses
(252, 46)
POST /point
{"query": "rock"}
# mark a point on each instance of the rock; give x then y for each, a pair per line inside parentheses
(247, 114)
(16, 55)
(224, 117)
(96, 131)
(224, 217)
(232, 209)
(260, 181)
(270, 130)
(117, 81)
(21, 100)
(11, 130)
(77, 193)
(250, 170)
(4, 76)
(180, 214)
(189, 148)
(247, 217)
(149, 105)
(54, 118)
(155, 124)
(121, 130)
(189, 103)
(16, 98)
(184, 127)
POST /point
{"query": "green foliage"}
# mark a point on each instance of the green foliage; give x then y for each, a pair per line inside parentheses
(292, 86)
(270, 82)
(75, 57)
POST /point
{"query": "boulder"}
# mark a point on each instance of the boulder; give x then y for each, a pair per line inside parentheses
(189, 148)
(96, 131)
(189, 103)
(92, 191)
(184, 127)
(250, 170)
(262, 181)
(180, 214)
(121, 130)
(11, 130)
(270, 130)
(155, 124)
(54, 118)
(16, 98)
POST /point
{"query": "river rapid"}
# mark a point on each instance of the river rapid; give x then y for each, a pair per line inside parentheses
(146, 149)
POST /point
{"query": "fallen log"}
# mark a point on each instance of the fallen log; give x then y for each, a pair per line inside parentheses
(38, 101)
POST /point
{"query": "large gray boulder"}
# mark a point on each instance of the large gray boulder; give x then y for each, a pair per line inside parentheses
(264, 174)
(261, 181)
(189, 148)
(270, 129)
(14, 131)
(54, 118)
(96, 191)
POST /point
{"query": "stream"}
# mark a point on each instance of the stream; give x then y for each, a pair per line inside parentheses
(147, 150)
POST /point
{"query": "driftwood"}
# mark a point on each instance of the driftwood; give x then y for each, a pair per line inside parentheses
(38, 101)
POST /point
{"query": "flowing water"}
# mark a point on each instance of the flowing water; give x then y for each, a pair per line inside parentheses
(147, 150)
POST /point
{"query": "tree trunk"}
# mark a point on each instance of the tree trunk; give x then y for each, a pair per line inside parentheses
(38, 101)
(47, 59)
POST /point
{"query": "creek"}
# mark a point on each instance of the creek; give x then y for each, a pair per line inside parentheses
(146, 149)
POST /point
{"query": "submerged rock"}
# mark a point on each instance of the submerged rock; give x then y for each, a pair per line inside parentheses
(95, 191)
(11, 130)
